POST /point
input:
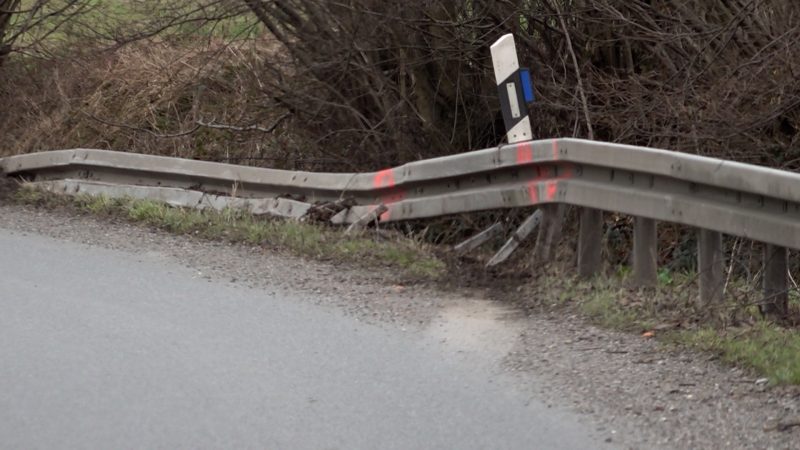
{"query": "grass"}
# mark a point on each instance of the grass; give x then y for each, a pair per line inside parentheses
(409, 259)
(668, 312)
(609, 302)
(602, 306)
(770, 350)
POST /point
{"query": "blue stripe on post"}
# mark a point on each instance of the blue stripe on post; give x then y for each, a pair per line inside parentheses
(527, 86)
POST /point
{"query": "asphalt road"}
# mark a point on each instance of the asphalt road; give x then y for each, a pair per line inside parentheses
(107, 349)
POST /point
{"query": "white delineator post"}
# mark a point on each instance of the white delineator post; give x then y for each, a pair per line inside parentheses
(512, 103)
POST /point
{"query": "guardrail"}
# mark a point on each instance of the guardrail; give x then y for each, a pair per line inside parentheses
(714, 195)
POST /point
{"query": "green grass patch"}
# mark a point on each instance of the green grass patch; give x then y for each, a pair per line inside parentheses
(603, 306)
(606, 302)
(408, 258)
(740, 338)
(770, 350)
(609, 301)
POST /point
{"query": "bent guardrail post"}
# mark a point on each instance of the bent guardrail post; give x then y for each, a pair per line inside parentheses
(710, 267)
(775, 304)
(372, 216)
(645, 252)
(522, 233)
(479, 239)
(549, 232)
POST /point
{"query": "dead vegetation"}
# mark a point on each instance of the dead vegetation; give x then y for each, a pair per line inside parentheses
(380, 83)
(151, 98)
(710, 77)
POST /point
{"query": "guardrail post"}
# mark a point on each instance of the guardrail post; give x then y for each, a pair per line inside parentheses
(590, 239)
(645, 252)
(775, 304)
(549, 232)
(710, 267)
(522, 233)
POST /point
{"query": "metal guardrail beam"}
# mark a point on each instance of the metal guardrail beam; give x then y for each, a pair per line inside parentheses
(733, 198)
(185, 198)
(691, 168)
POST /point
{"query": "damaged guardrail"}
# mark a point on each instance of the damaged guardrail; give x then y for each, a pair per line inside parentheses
(714, 195)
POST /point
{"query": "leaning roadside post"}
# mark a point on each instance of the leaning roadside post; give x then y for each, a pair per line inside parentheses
(514, 89)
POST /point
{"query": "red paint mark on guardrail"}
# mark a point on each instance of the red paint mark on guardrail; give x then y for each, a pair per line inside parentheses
(545, 175)
(524, 153)
(385, 179)
(568, 171)
(552, 188)
(533, 191)
(533, 185)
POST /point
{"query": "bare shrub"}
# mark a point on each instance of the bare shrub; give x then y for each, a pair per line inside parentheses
(26, 26)
(150, 97)
(372, 83)
(390, 81)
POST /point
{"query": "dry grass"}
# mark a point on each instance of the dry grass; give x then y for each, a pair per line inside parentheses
(142, 95)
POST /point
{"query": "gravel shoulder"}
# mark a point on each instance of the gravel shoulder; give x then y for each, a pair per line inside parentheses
(639, 394)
